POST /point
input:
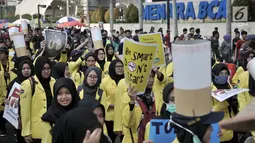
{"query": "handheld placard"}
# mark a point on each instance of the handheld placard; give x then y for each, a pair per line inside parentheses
(24, 26)
(19, 44)
(97, 37)
(13, 30)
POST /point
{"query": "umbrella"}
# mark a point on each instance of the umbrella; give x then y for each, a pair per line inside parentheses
(18, 22)
(6, 25)
(71, 24)
(4, 21)
(35, 21)
(67, 19)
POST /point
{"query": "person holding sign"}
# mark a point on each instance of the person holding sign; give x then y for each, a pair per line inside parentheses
(109, 86)
(220, 74)
(35, 98)
(134, 108)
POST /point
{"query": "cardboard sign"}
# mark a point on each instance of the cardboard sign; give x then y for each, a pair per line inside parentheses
(19, 44)
(138, 61)
(11, 111)
(155, 38)
(160, 132)
(223, 94)
(55, 42)
(97, 37)
(13, 30)
(192, 85)
(24, 26)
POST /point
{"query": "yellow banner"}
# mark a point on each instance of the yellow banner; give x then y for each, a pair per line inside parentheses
(155, 38)
(138, 61)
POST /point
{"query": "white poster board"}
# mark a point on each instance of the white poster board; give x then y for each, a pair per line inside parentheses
(224, 94)
(240, 14)
(11, 111)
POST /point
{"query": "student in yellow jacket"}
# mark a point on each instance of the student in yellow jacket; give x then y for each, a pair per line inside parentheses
(35, 98)
(137, 111)
(109, 86)
(101, 62)
(65, 99)
(90, 85)
(109, 53)
(220, 81)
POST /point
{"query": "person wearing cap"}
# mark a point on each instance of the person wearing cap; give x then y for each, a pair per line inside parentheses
(220, 74)
(137, 110)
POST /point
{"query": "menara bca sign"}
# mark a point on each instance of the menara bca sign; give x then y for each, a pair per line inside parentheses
(214, 9)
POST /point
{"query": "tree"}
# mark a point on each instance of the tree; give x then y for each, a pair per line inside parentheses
(133, 15)
(127, 11)
(93, 16)
(116, 14)
(100, 14)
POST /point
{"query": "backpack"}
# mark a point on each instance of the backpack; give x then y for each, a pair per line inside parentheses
(32, 83)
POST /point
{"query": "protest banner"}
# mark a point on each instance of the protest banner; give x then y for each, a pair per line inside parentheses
(155, 38)
(11, 111)
(138, 61)
(55, 42)
(97, 37)
(19, 44)
(24, 26)
(160, 132)
(223, 94)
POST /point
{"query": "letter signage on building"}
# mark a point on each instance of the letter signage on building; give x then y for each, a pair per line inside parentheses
(213, 9)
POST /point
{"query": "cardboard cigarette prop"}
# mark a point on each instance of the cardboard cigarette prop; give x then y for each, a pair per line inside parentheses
(12, 31)
(19, 44)
(192, 85)
(97, 37)
(245, 120)
(24, 27)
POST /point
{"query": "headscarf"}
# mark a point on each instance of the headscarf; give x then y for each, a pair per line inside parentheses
(91, 103)
(56, 110)
(91, 90)
(20, 77)
(89, 54)
(112, 71)
(166, 91)
(40, 62)
(100, 62)
(227, 37)
(60, 70)
(109, 57)
(72, 127)
(216, 71)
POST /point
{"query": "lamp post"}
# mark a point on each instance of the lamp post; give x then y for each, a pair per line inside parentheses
(39, 17)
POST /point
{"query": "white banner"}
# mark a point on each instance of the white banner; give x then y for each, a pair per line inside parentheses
(223, 94)
(11, 111)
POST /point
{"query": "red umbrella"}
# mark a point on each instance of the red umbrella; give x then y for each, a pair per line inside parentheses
(71, 24)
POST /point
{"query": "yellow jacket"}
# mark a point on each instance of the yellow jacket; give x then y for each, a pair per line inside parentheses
(32, 107)
(109, 87)
(122, 88)
(81, 94)
(235, 78)
(106, 68)
(223, 106)
(76, 75)
(46, 136)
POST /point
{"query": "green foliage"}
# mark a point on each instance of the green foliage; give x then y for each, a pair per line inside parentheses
(116, 15)
(100, 14)
(93, 17)
(107, 16)
(133, 15)
(127, 11)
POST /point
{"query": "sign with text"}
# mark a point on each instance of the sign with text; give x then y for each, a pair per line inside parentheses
(223, 94)
(11, 111)
(240, 14)
(138, 61)
(155, 38)
(160, 132)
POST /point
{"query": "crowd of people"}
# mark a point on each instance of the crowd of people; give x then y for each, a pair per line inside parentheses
(80, 96)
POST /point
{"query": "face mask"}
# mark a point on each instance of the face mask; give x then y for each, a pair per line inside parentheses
(171, 108)
(221, 79)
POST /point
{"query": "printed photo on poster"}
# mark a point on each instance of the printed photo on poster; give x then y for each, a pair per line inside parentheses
(11, 111)
(55, 42)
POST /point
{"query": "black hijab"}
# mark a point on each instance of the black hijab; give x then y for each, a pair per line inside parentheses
(91, 90)
(100, 62)
(91, 103)
(72, 127)
(216, 71)
(166, 91)
(109, 57)
(56, 110)
(89, 54)
(59, 70)
(112, 71)
(40, 62)
(251, 85)
(20, 77)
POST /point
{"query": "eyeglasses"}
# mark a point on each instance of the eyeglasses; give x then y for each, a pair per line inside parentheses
(46, 69)
(92, 77)
(120, 66)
